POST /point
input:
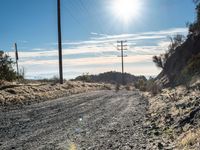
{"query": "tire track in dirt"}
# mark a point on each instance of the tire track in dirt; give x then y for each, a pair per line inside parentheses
(94, 120)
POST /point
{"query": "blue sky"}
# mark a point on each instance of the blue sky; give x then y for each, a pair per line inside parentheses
(89, 32)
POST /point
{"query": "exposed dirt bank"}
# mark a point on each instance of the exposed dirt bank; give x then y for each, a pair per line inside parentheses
(173, 119)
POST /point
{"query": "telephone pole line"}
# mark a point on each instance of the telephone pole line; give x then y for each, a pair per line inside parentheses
(59, 42)
(122, 47)
(16, 58)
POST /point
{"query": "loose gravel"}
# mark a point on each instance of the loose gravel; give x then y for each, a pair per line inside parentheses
(95, 120)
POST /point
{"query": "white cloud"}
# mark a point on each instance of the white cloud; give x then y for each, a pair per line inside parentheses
(91, 61)
(142, 46)
(38, 49)
(93, 33)
(145, 35)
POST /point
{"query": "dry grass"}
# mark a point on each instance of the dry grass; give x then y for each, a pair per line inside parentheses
(26, 93)
(167, 110)
(188, 140)
(72, 146)
(129, 88)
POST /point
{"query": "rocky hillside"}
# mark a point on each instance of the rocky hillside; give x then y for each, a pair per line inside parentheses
(111, 77)
(183, 64)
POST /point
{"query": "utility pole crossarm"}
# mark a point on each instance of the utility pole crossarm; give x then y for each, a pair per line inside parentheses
(122, 47)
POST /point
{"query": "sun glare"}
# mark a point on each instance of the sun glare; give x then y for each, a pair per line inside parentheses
(126, 10)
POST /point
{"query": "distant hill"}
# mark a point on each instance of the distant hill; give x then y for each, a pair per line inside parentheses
(111, 77)
(183, 64)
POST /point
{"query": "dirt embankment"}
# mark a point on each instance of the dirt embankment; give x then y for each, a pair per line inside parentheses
(172, 121)
(11, 93)
(182, 64)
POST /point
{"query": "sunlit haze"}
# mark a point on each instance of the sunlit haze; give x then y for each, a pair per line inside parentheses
(90, 31)
(126, 10)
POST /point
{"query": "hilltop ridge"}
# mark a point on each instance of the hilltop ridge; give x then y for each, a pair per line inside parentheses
(112, 77)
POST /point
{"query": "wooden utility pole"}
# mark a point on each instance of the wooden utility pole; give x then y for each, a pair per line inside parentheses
(122, 47)
(59, 42)
(16, 58)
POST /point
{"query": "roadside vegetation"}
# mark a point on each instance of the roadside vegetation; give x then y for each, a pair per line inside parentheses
(175, 42)
(111, 77)
(6, 68)
(16, 90)
(172, 121)
(7, 72)
(23, 94)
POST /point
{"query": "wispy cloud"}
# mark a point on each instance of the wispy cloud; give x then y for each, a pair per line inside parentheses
(38, 49)
(138, 36)
(91, 61)
(141, 48)
(94, 33)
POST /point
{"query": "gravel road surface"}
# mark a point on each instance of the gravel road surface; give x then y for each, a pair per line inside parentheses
(94, 120)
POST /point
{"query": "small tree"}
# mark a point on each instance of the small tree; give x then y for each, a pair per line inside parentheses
(6, 68)
(196, 1)
(194, 28)
(175, 42)
(158, 61)
(85, 77)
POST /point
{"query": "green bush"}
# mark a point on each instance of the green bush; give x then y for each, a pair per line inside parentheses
(194, 28)
(149, 86)
(141, 85)
(6, 68)
(84, 78)
(193, 66)
(191, 69)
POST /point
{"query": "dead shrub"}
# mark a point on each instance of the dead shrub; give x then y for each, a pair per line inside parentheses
(128, 87)
(117, 88)
(154, 89)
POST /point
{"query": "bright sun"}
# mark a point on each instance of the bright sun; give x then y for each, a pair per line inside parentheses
(126, 10)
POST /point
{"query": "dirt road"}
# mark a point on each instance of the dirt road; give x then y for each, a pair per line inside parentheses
(95, 120)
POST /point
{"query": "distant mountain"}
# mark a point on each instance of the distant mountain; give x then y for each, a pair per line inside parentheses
(111, 77)
(183, 64)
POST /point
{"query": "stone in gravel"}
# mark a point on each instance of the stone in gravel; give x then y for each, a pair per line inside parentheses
(160, 146)
(144, 147)
(11, 91)
(156, 133)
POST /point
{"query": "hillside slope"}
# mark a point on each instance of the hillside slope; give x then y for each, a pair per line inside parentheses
(172, 121)
(182, 64)
(112, 77)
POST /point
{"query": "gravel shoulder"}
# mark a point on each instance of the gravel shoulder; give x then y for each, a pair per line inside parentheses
(172, 119)
(93, 120)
